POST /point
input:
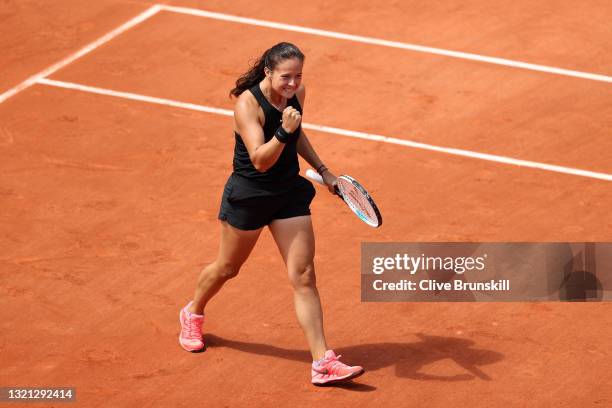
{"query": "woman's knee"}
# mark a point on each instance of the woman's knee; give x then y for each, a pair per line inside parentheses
(221, 270)
(227, 270)
(303, 276)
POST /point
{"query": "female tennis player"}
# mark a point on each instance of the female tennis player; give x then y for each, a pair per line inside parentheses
(265, 189)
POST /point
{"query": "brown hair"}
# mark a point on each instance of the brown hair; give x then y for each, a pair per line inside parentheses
(270, 59)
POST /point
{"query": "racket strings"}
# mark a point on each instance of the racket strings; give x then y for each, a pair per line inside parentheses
(358, 202)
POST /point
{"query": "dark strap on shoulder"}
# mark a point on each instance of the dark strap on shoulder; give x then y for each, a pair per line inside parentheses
(261, 99)
(295, 102)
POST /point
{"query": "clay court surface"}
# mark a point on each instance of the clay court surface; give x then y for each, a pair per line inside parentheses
(108, 205)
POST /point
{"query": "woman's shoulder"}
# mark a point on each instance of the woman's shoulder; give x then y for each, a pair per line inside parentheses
(301, 94)
(247, 109)
(246, 102)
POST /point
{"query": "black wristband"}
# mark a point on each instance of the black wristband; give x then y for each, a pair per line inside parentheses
(282, 135)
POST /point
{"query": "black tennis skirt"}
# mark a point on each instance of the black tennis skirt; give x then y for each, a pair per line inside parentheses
(247, 205)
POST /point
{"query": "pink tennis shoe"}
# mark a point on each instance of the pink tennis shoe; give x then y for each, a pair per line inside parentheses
(191, 330)
(332, 370)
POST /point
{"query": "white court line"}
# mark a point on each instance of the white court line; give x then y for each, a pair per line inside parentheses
(386, 43)
(85, 50)
(135, 97)
(341, 132)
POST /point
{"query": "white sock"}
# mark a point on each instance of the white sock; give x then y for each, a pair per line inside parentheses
(318, 362)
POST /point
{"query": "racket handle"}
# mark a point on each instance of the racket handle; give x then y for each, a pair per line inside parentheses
(314, 176)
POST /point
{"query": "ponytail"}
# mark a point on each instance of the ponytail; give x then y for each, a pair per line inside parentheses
(270, 58)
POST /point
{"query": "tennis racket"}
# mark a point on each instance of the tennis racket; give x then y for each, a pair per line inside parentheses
(355, 196)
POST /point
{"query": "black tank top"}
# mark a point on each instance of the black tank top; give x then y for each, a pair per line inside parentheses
(286, 168)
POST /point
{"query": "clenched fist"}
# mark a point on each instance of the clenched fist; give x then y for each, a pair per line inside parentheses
(291, 119)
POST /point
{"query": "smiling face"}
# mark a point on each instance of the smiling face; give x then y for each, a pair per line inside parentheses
(286, 77)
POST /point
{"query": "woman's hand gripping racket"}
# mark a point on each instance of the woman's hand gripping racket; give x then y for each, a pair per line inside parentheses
(355, 196)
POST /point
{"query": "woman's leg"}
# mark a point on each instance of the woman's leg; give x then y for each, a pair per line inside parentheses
(234, 249)
(295, 240)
